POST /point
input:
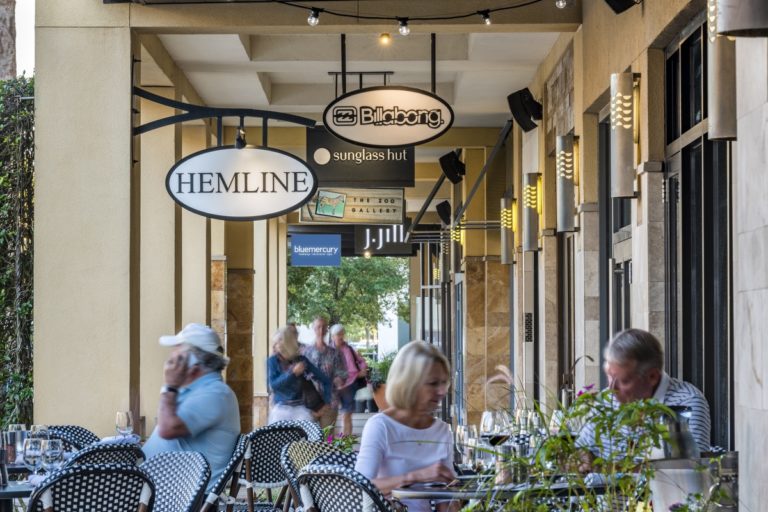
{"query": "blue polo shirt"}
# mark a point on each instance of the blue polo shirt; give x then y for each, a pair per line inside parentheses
(208, 407)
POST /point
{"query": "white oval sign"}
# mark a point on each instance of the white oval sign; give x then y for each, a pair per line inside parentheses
(388, 117)
(241, 184)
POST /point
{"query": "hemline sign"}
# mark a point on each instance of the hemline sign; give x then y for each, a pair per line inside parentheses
(241, 184)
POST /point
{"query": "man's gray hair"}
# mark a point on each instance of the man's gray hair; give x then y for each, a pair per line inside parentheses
(209, 361)
(636, 345)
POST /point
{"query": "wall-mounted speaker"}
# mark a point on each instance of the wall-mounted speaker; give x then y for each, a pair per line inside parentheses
(524, 108)
(453, 168)
(619, 6)
(444, 211)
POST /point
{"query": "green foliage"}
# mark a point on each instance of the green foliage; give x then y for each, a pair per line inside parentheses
(17, 149)
(357, 293)
(380, 368)
(341, 442)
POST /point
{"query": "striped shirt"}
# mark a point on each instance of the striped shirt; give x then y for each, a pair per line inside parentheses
(671, 392)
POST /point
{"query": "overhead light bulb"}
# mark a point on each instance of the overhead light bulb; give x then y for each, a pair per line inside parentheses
(404, 28)
(385, 38)
(314, 17)
(561, 4)
(486, 15)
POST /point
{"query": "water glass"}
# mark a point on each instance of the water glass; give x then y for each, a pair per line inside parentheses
(53, 454)
(39, 432)
(487, 423)
(33, 454)
(124, 423)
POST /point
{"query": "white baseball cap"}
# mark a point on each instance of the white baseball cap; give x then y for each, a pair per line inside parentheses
(196, 335)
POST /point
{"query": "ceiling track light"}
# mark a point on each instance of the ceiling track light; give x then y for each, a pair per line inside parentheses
(404, 28)
(486, 15)
(314, 16)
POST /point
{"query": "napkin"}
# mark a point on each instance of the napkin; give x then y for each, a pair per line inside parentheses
(130, 439)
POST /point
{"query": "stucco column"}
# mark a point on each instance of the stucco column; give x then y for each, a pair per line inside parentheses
(83, 273)
(159, 152)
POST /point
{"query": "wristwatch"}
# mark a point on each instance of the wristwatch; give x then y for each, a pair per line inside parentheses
(168, 389)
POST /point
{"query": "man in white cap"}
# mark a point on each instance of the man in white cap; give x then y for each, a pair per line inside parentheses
(198, 411)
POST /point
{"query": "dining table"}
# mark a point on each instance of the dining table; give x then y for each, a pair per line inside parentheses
(14, 489)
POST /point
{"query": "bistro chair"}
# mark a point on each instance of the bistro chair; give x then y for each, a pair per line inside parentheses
(334, 488)
(229, 476)
(113, 453)
(297, 455)
(180, 480)
(337, 458)
(261, 468)
(102, 487)
(74, 437)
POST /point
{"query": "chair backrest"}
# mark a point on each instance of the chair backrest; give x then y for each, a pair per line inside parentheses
(331, 488)
(112, 487)
(337, 458)
(265, 445)
(233, 468)
(113, 453)
(180, 480)
(74, 437)
(298, 454)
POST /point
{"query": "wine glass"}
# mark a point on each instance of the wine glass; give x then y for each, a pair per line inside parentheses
(487, 423)
(33, 454)
(39, 432)
(124, 423)
(53, 454)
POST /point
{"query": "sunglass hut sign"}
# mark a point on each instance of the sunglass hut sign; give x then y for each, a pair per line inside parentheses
(241, 184)
(388, 117)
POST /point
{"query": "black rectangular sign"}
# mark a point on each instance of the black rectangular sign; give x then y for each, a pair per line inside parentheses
(341, 164)
(383, 240)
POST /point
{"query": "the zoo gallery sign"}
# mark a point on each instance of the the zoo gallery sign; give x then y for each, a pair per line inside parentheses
(241, 184)
(388, 117)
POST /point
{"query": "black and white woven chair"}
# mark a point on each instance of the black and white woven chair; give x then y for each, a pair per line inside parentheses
(294, 457)
(228, 477)
(74, 437)
(333, 488)
(92, 487)
(261, 467)
(180, 480)
(337, 458)
(113, 453)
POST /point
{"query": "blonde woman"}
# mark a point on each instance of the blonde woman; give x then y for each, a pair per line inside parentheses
(406, 444)
(286, 369)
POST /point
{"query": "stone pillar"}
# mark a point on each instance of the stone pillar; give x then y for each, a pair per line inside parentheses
(549, 320)
(474, 337)
(750, 273)
(159, 152)
(497, 330)
(84, 272)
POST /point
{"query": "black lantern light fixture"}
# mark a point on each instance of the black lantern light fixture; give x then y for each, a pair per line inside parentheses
(742, 18)
(566, 164)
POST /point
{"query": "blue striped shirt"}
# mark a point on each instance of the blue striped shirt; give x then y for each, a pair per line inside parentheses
(670, 392)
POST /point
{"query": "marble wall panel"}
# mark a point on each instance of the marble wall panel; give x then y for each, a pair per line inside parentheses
(751, 77)
(239, 375)
(751, 273)
(750, 187)
(219, 298)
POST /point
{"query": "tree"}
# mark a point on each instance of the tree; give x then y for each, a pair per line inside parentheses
(358, 293)
(7, 39)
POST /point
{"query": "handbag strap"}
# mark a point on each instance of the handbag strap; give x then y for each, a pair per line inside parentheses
(354, 357)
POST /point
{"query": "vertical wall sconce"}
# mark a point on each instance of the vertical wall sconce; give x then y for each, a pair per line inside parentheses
(622, 135)
(565, 163)
(531, 210)
(721, 80)
(508, 228)
(742, 18)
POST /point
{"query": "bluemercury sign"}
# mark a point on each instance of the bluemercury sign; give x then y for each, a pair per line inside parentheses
(383, 240)
(354, 206)
(315, 250)
(388, 117)
(241, 184)
(338, 163)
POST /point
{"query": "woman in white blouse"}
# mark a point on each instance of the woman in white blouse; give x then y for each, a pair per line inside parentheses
(406, 444)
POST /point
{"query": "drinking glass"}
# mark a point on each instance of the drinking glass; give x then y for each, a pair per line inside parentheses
(33, 454)
(556, 422)
(53, 454)
(39, 432)
(124, 423)
(14, 427)
(487, 423)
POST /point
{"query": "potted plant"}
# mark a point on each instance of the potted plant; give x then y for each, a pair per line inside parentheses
(379, 374)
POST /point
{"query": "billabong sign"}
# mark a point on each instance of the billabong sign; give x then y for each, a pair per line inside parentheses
(241, 184)
(388, 117)
(315, 250)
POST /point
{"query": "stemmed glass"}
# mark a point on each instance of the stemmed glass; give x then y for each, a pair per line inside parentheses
(33, 454)
(39, 432)
(124, 423)
(53, 454)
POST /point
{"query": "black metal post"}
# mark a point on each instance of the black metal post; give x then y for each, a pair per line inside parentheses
(434, 65)
(343, 63)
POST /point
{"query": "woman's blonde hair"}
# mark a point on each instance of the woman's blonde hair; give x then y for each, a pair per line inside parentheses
(284, 342)
(409, 370)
